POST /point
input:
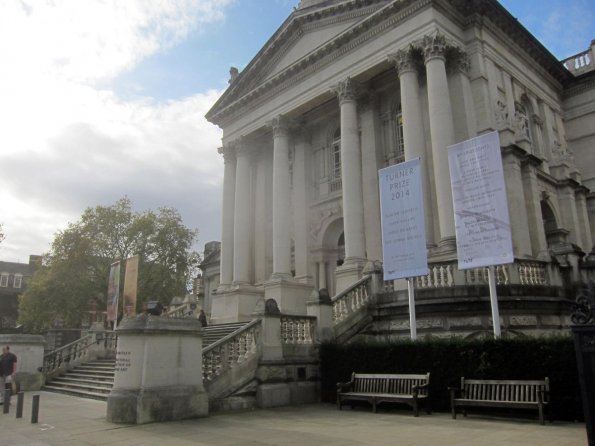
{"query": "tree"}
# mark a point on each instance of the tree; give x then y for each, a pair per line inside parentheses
(76, 271)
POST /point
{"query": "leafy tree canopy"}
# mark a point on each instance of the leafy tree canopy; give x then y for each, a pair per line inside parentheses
(76, 271)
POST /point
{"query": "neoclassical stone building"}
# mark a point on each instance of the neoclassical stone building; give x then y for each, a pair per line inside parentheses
(346, 87)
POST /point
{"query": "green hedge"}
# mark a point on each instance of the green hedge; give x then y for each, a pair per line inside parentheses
(448, 360)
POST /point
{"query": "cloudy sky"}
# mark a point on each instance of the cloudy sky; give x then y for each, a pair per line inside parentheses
(105, 98)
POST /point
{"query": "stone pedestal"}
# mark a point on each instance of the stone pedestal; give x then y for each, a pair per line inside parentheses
(288, 293)
(234, 304)
(29, 352)
(320, 305)
(349, 273)
(158, 371)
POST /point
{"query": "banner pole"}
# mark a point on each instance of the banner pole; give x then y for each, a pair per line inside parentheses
(494, 302)
(412, 321)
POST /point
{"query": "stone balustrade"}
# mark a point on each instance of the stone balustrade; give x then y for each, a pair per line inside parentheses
(297, 330)
(580, 63)
(234, 349)
(351, 300)
(76, 351)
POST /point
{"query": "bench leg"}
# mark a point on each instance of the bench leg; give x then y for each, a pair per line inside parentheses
(374, 405)
(428, 406)
(453, 410)
(415, 408)
(540, 407)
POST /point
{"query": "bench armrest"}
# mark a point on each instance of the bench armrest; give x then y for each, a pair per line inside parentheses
(454, 390)
(344, 386)
(543, 395)
(416, 388)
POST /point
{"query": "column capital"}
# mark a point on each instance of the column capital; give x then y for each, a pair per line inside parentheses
(228, 152)
(458, 60)
(281, 125)
(434, 47)
(346, 90)
(405, 60)
(241, 147)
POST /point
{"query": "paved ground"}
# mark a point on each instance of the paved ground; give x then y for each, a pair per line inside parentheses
(69, 421)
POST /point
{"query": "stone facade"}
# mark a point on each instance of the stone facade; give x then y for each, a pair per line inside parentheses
(345, 88)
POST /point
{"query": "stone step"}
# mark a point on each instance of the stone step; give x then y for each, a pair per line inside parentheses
(87, 382)
(83, 376)
(93, 371)
(79, 393)
(213, 333)
(82, 387)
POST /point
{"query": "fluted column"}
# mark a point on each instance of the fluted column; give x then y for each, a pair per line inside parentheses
(413, 132)
(300, 205)
(241, 226)
(227, 215)
(441, 130)
(281, 210)
(351, 173)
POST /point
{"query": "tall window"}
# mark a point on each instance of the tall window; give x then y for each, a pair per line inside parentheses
(336, 155)
(18, 281)
(394, 145)
(4, 280)
(335, 163)
(398, 132)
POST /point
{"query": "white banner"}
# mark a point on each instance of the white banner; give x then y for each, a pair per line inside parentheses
(482, 223)
(402, 220)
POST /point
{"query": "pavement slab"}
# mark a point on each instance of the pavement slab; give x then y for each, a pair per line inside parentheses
(69, 421)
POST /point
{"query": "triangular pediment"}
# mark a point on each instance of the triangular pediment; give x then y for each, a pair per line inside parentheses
(303, 33)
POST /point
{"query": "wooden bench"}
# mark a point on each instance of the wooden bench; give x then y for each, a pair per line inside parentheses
(380, 388)
(516, 394)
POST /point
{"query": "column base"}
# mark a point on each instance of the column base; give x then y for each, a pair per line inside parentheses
(140, 406)
(236, 303)
(445, 250)
(349, 273)
(291, 296)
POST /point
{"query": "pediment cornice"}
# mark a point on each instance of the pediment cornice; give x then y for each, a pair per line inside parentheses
(378, 16)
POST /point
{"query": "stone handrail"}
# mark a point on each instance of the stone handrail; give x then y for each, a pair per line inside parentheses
(55, 359)
(233, 349)
(351, 300)
(297, 330)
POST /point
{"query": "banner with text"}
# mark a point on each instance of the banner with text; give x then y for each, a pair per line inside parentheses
(482, 223)
(113, 292)
(130, 286)
(402, 220)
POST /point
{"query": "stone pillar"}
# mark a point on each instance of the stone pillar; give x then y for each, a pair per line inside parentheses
(281, 210)
(158, 371)
(534, 217)
(517, 207)
(227, 215)
(320, 305)
(241, 224)
(322, 274)
(462, 98)
(569, 213)
(442, 133)
(300, 206)
(583, 216)
(370, 191)
(261, 217)
(351, 173)
(29, 352)
(413, 132)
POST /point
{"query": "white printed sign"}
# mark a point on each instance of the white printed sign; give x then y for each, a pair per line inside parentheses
(402, 221)
(482, 222)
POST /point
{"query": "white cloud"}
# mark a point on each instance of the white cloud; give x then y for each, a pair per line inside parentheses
(67, 144)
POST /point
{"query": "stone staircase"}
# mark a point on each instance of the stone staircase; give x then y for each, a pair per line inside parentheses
(92, 380)
(95, 379)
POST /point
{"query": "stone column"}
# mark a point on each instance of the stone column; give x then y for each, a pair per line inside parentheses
(462, 98)
(351, 174)
(260, 219)
(227, 215)
(241, 226)
(442, 133)
(322, 274)
(534, 216)
(370, 179)
(300, 206)
(413, 132)
(281, 210)
(583, 216)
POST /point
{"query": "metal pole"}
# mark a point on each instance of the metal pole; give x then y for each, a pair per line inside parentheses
(7, 393)
(494, 302)
(20, 400)
(412, 320)
(35, 409)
